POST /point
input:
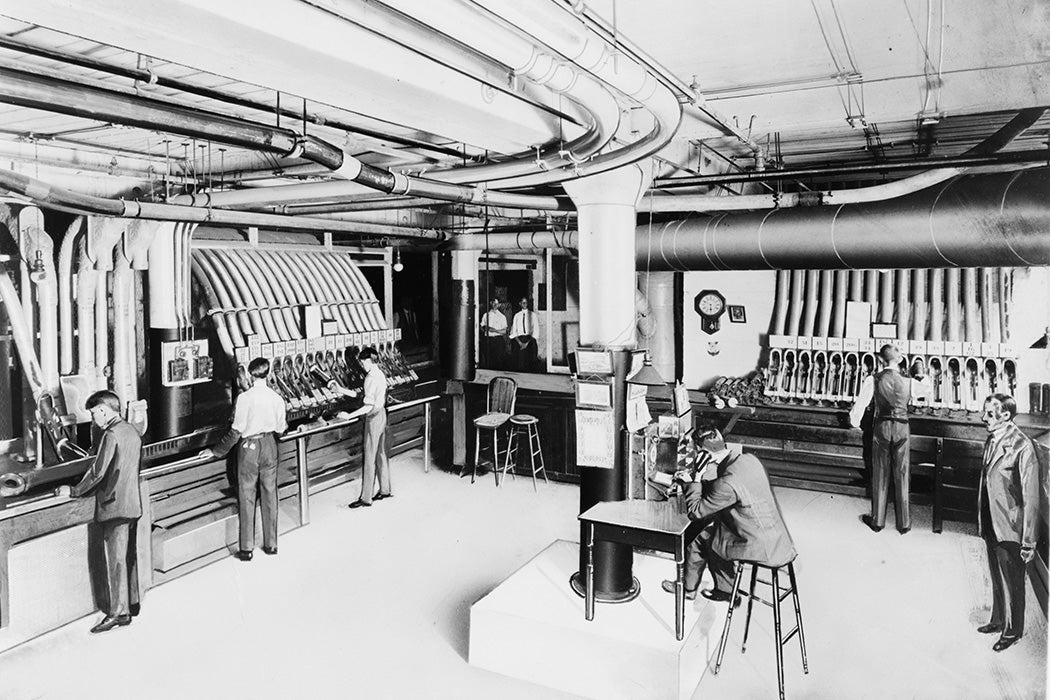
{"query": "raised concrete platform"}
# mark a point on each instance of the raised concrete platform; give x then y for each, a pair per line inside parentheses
(532, 627)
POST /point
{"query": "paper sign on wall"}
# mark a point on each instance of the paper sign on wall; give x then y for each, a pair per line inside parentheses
(595, 439)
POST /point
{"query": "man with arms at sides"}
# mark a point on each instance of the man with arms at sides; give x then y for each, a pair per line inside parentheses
(494, 334)
(523, 343)
(745, 519)
(114, 480)
(888, 392)
(259, 416)
(1008, 519)
(377, 464)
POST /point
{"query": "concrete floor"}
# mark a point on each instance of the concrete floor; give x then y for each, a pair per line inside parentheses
(374, 603)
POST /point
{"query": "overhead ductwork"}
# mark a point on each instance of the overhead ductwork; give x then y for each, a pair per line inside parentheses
(979, 220)
(65, 97)
(992, 220)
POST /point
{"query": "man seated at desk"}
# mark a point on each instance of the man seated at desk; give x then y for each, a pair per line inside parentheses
(731, 491)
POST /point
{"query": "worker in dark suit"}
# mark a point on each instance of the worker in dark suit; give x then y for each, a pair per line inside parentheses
(258, 418)
(1008, 504)
(888, 393)
(744, 517)
(113, 479)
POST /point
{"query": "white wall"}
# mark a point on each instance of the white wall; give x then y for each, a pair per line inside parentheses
(740, 345)
(1028, 321)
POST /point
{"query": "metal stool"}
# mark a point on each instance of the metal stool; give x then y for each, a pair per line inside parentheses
(532, 430)
(778, 597)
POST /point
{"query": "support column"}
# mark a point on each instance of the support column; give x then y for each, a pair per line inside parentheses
(171, 408)
(457, 299)
(607, 210)
(658, 288)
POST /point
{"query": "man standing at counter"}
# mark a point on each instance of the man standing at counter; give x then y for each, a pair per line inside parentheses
(522, 336)
(494, 327)
(114, 480)
(258, 417)
(1009, 516)
(377, 464)
(888, 393)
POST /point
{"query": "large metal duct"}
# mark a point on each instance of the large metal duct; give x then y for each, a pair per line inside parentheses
(996, 220)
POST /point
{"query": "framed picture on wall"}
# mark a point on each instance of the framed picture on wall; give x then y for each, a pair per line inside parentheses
(737, 314)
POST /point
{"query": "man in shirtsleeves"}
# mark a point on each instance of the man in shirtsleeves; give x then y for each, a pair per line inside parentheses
(258, 417)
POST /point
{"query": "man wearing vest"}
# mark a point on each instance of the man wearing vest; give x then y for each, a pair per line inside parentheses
(888, 392)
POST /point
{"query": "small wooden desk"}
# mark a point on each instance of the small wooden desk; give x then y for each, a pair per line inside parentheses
(656, 525)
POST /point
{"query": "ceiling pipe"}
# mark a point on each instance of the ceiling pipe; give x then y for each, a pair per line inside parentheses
(89, 102)
(151, 78)
(995, 220)
(65, 200)
(493, 38)
(563, 33)
(992, 220)
(337, 189)
(701, 203)
(1031, 156)
(688, 92)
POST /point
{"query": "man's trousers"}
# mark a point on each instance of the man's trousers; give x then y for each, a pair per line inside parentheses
(257, 470)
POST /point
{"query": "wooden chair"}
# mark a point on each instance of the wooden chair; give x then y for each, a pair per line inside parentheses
(499, 407)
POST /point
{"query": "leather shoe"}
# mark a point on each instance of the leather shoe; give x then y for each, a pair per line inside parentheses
(990, 628)
(720, 596)
(270, 550)
(1005, 643)
(381, 496)
(135, 609)
(243, 555)
(905, 530)
(871, 523)
(669, 586)
(109, 623)
(360, 504)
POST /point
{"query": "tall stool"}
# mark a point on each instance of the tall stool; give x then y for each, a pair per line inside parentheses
(530, 424)
(778, 597)
(499, 406)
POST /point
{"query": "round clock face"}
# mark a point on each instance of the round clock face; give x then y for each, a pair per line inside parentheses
(710, 304)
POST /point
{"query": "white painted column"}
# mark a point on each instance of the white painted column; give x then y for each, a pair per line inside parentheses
(607, 209)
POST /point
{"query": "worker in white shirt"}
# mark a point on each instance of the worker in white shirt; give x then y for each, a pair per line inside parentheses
(888, 393)
(523, 344)
(377, 464)
(259, 416)
(494, 334)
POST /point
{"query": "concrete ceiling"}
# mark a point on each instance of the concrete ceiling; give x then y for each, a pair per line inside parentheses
(810, 81)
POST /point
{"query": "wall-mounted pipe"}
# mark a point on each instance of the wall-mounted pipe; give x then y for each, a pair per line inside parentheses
(989, 305)
(856, 285)
(936, 305)
(67, 250)
(823, 327)
(798, 285)
(38, 251)
(886, 305)
(838, 321)
(871, 292)
(809, 318)
(1004, 278)
(970, 310)
(87, 278)
(920, 309)
(953, 302)
(904, 304)
(782, 302)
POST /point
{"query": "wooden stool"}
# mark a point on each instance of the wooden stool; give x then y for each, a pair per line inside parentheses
(778, 597)
(531, 426)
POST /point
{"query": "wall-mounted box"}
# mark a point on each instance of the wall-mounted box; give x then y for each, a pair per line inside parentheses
(329, 328)
(185, 362)
(312, 320)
